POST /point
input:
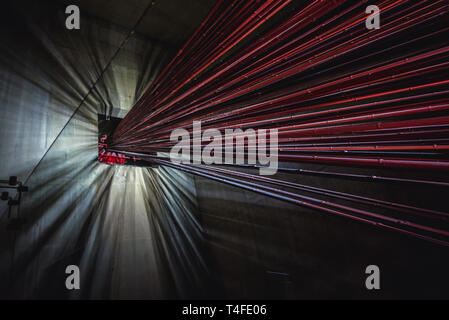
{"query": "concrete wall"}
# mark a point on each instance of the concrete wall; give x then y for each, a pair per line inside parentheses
(132, 231)
(282, 251)
(158, 233)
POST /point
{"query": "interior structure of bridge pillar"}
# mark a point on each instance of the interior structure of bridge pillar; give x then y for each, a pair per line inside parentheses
(85, 122)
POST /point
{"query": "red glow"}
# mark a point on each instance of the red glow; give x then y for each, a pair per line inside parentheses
(107, 157)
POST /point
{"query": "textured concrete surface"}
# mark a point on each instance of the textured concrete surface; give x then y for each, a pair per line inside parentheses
(138, 233)
(283, 251)
(167, 22)
(132, 231)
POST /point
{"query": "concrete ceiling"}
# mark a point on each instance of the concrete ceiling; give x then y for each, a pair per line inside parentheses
(168, 21)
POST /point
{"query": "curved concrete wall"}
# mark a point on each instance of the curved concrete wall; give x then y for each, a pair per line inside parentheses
(132, 231)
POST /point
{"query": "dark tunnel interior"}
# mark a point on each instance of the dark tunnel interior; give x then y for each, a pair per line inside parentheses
(142, 230)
